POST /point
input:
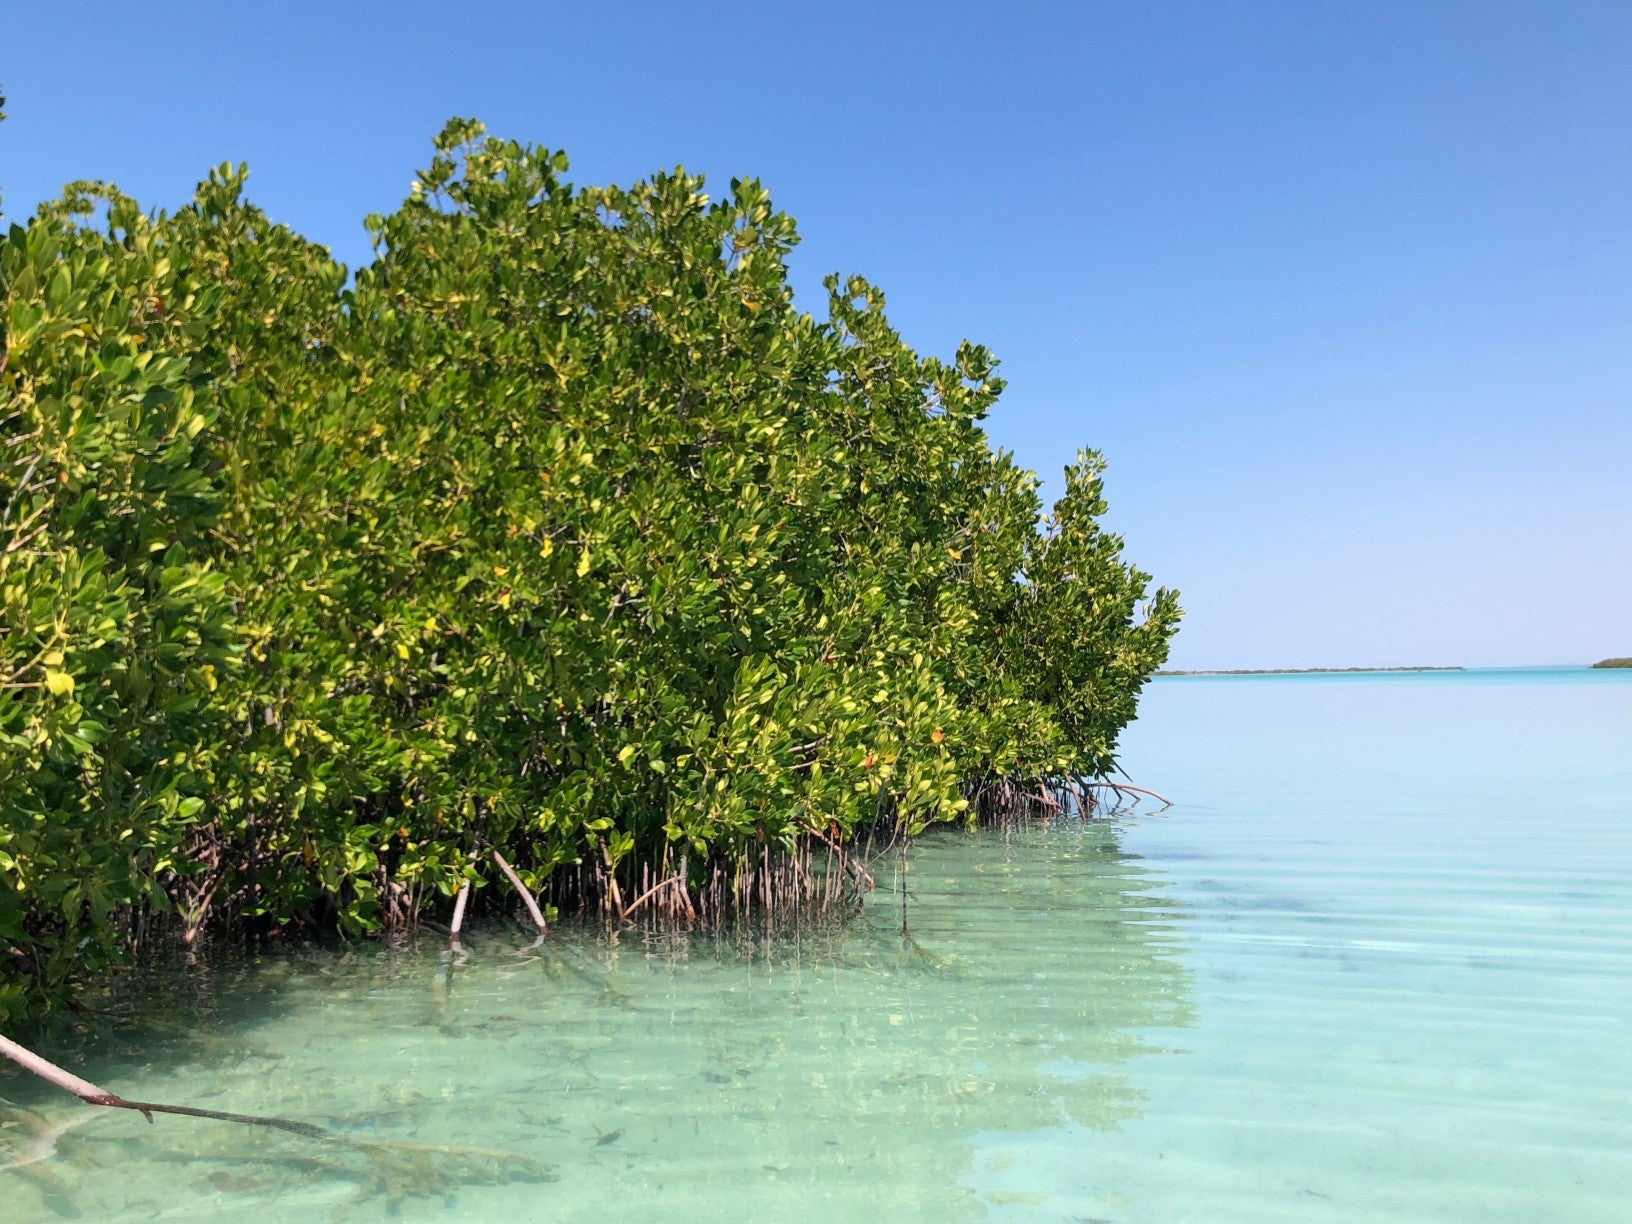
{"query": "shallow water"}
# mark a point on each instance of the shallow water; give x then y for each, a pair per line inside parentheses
(1376, 965)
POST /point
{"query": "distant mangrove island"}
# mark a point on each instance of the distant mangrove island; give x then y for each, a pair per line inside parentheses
(1329, 671)
(1613, 663)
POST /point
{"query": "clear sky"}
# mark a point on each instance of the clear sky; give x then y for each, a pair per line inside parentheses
(1342, 290)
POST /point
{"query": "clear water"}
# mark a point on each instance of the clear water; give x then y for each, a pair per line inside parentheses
(1376, 965)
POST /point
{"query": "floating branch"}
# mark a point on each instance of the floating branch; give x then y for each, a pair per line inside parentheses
(394, 1159)
(92, 1095)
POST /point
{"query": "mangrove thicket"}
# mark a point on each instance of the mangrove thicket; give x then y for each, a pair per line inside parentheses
(556, 530)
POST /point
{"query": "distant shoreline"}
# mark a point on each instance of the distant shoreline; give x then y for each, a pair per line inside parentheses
(1303, 671)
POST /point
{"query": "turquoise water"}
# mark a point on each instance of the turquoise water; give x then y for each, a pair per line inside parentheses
(1375, 965)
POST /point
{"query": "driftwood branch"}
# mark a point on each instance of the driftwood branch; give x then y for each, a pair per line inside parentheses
(53, 1074)
(526, 896)
(93, 1095)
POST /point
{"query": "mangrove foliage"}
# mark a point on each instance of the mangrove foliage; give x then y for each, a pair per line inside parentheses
(557, 530)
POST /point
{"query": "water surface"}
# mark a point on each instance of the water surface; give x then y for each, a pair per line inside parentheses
(1375, 965)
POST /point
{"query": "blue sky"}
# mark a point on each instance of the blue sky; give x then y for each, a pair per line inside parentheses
(1342, 290)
